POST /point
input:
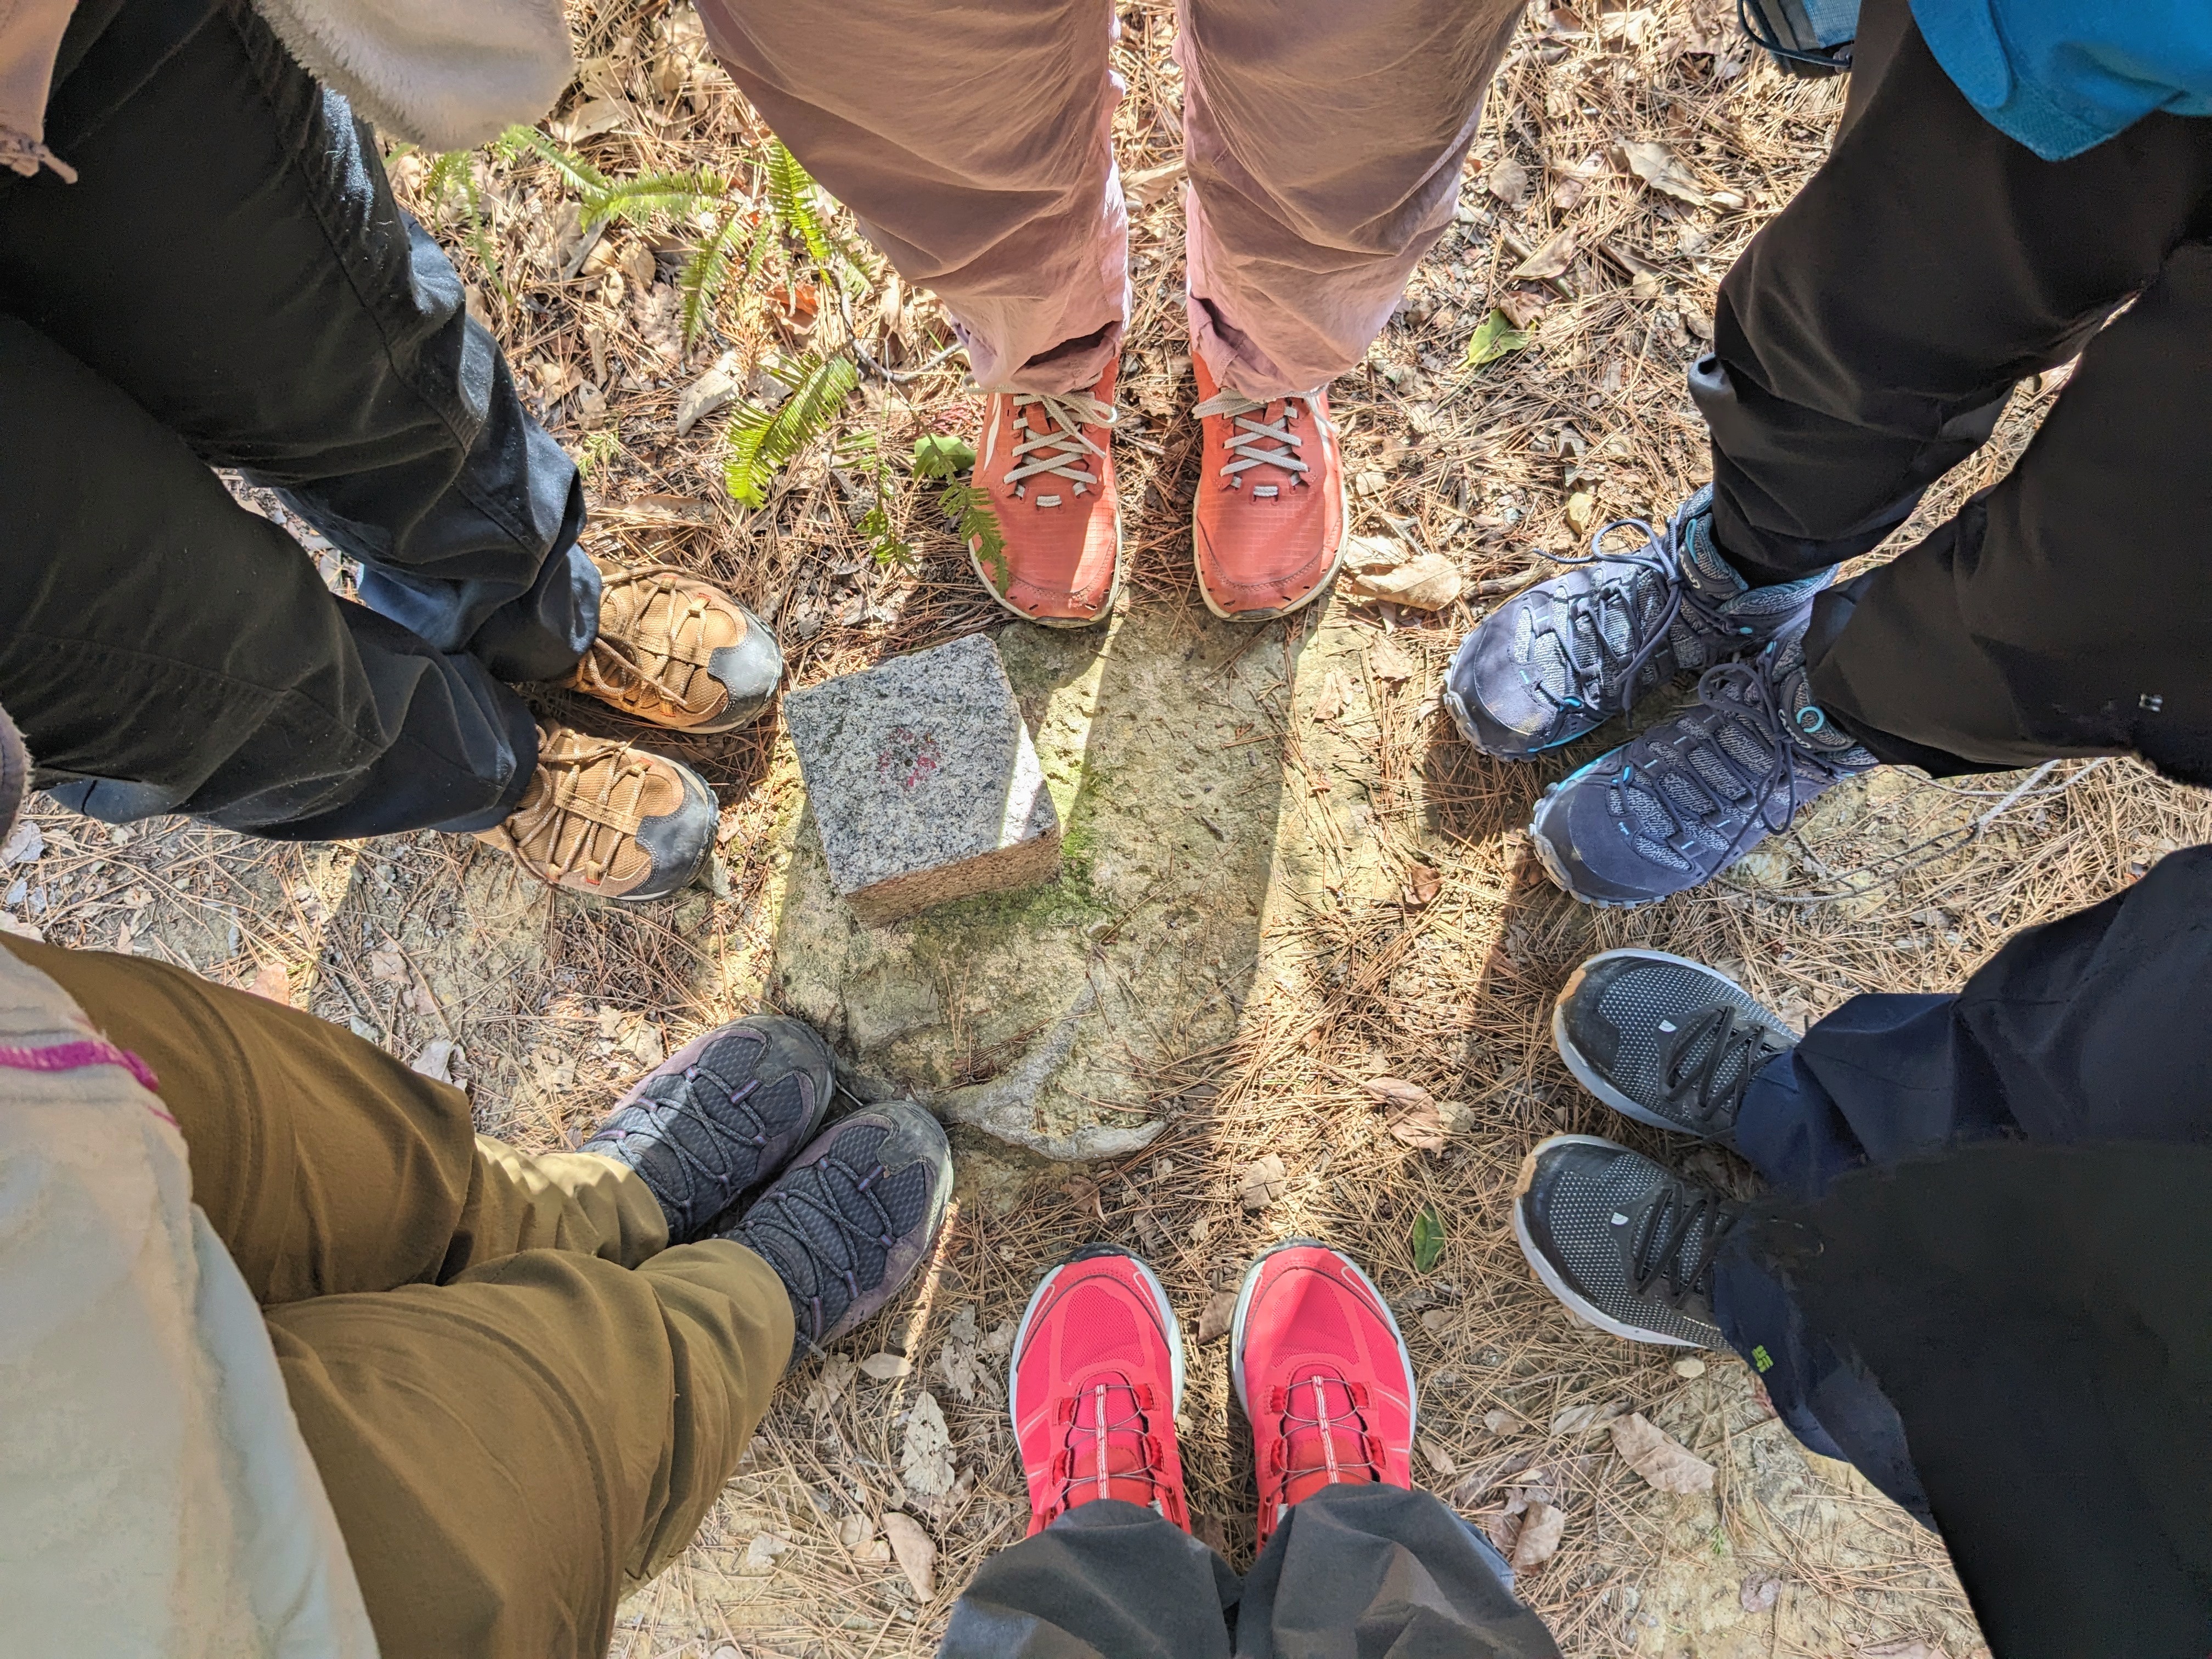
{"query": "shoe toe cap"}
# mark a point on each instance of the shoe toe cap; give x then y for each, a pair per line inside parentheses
(749, 672)
(1587, 851)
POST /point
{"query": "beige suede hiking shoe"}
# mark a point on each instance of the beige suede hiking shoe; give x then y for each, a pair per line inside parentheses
(604, 818)
(677, 651)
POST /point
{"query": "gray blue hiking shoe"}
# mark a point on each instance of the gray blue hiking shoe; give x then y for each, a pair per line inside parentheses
(848, 1221)
(720, 1116)
(1664, 1040)
(1673, 808)
(1558, 660)
(1628, 1246)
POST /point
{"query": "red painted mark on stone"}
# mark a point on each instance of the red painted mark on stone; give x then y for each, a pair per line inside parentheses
(909, 757)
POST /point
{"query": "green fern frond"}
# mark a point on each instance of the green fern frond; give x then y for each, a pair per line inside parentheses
(580, 175)
(640, 199)
(704, 275)
(791, 198)
(763, 443)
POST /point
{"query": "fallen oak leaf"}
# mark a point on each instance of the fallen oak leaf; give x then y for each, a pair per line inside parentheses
(1550, 260)
(1423, 883)
(1656, 165)
(1508, 180)
(1397, 1091)
(1264, 1181)
(1542, 1526)
(1660, 1458)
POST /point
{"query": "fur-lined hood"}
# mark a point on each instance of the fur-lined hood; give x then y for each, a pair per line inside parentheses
(443, 74)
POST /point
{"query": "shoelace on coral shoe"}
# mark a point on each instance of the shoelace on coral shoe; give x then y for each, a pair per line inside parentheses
(1058, 449)
(1260, 443)
(639, 664)
(1325, 1440)
(1112, 1456)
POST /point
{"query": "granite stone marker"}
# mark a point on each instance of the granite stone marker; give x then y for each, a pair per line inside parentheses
(924, 782)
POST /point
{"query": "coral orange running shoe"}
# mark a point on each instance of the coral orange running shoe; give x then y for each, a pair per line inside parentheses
(1046, 464)
(1272, 517)
(1323, 1374)
(1095, 1383)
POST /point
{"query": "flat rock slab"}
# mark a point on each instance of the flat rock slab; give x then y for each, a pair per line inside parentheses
(924, 782)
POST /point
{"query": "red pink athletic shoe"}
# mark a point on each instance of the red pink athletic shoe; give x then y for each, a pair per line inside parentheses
(1269, 526)
(1094, 1385)
(1322, 1373)
(1046, 464)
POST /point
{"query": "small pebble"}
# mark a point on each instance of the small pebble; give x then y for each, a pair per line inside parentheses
(1689, 1368)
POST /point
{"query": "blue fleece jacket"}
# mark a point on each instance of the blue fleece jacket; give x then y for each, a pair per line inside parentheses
(2062, 75)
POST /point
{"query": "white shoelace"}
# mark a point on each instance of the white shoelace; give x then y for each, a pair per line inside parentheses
(1060, 450)
(1257, 443)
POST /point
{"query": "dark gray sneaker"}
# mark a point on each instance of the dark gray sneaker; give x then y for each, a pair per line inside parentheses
(1626, 1246)
(1664, 1040)
(1672, 809)
(1558, 660)
(719, 1116)
(854, 1214)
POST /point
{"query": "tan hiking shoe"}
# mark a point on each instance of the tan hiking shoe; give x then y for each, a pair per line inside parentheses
(677, 651)
(604, 818)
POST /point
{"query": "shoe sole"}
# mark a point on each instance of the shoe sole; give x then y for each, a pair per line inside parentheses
(1166, 1310)
(1584, 1073)
(1336, 564)
(1244, 1292)
(1105, 606)
(1571, 1298)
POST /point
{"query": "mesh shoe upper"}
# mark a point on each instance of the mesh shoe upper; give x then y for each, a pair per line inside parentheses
(601, 818)
(847, 1222)
(1667, 1041)
(719, 1116)
(1560, 658)
(1626, 1245)
(1268, 522)
(1324, 1377)
(1094, 1384)
(1046, 464)
(1680, 803)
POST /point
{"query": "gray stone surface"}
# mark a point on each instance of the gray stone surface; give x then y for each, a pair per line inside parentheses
(923, 782)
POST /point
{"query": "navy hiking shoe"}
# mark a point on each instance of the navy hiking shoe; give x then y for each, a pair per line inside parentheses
(847, 1222)
(1628, 1246)
(1664, 1040)
(720, 1116)
(1673, 808)
(1558, 660)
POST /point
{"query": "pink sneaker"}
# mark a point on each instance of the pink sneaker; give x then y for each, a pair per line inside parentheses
(1094, 1386)
(1046, 464)
(1324, 1377)
(1272, 517)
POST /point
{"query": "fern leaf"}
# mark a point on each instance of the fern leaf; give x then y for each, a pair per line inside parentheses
(761, 444)
(791, 197)
(579, 174)
(704, 275)
(650, 194)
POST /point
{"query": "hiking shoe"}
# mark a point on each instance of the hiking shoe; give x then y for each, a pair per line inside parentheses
(677, 651)
(1628, 1246)
(1664, 1040)
(604, 818)
(1323, 1375)
(1558, 660)
(1272, 517)
(852, 1217)
(1094, 1386)
(719, 1116)
(1046, 464)
(1674, 807)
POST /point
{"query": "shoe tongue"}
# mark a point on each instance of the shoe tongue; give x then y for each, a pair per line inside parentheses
(1107, 1454)
(1323, 1436)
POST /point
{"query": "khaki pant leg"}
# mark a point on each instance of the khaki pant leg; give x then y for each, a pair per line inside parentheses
(1325, 142)
(327, 1166)
(508, 1453)
(974, 143)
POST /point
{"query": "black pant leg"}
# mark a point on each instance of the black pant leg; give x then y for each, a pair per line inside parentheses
(1362, 1569)
(231, 257)
(1107, 1580)
(165, 650)
(1867, 339)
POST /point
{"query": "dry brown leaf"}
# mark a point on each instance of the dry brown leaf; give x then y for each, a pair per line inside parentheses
(1397, 1091)
(1426, 581)
(1575, 1419)
(1263, 1183)
(1656, 165)
(1425, 1131)
(1438, 1458)
(387, 964)
(1387, 662)
(436, 1059)
(272, 983)
(1082, 1192)
(886, 1367)
(925, 1454)
(915, 1553)
(1759, 1593)
(1216, 1316)
(1522, 306)
(1508, 180)
(1423, 883)
(1498, 1420)
(1574, 181)
(1151, 184)
(1659, 1457)
(1437, 1321)
(1550, 260)
(830, 1385)
(1538, 1540)
(1328, 704)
